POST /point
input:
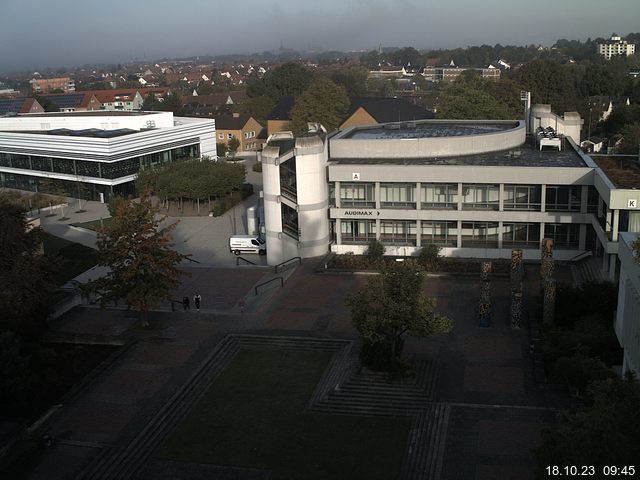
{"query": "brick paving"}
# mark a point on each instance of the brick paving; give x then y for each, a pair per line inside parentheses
(477, 366)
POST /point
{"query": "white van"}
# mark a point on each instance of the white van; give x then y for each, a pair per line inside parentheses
(247, 244)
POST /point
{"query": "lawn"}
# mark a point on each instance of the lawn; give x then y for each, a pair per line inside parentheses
(75, 258)
(253, 416)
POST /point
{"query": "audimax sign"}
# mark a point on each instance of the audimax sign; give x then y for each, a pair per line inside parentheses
(361, 213)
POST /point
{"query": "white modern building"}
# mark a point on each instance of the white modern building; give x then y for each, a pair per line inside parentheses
(95, 154)
(615, 46)
(475, 188)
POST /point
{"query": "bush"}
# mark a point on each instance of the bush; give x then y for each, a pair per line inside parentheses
(257, 167)
(429, 257)
(375, 250)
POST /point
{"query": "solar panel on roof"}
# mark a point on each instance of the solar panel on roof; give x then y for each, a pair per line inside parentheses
(71, 100)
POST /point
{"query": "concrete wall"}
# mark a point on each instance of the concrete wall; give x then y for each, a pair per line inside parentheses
(342, 146)
(627, 321)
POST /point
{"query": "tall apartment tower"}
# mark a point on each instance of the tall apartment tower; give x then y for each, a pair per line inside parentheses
(615, 46)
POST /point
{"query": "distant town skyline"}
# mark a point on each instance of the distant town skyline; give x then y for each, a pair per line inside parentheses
(37, 34)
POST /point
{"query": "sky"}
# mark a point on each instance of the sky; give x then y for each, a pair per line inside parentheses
(54, 33)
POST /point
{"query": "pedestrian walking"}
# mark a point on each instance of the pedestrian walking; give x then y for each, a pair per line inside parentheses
(185, 303)
(197, 299)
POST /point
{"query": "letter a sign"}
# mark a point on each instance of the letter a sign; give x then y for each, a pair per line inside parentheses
(355, 176)
(632, 203)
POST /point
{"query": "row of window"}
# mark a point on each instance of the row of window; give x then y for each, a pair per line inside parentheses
(445, 233)
(474, 196)
(86, 168)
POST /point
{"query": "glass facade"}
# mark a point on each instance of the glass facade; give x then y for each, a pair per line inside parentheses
(521, 235)
(83, 168)
(290, 221)
(357, 231)
(563, 198)
(360, 195)
(522, 197)
(397, 195)
(439, 195)
(444, 234)
(564, 235)
(87, 168)
(398, 232)
(480, 197)
(480, 234)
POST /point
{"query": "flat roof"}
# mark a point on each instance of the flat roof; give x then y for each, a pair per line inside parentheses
(90, 113)
(623, 171)
(429, 129)
(525, 155)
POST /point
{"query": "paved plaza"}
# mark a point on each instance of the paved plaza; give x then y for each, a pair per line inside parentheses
(495, 411)
(488, 410)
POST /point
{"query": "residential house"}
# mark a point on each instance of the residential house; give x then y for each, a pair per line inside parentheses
(244, 127)
(362, 111)
(125, 100)
(12, 106)
(46, 85)
(74, 102)
(602, 106)
(371, 111)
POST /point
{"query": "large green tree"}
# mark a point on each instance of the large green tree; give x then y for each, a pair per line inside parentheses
(605, 431)
(287, 79)
(26, 283)
(549, 83)
(470, 97)
(323, 102)
(143, 266)
(392, 305)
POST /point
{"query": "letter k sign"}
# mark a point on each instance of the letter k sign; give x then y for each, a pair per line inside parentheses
(632, 203)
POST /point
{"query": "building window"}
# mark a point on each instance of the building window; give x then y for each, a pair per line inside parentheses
(221, 136)
(480, 234)
(522, 197)
(521, 235)
(398, 232)
(397, 195)
(357, 231)
(444, 234)
(229, 136)
(439, 195)
(563, 198)
(42, 164)
(357, 195)
(332, 194)
(564, 235)
(290, 221)
(63, 165)
(480, 197)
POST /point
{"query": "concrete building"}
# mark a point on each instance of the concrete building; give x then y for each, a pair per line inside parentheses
(95, 154)
(615, 46)
(627, 322)
(475, 188)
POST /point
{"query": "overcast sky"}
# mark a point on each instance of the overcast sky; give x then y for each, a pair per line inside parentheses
(40, 33)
